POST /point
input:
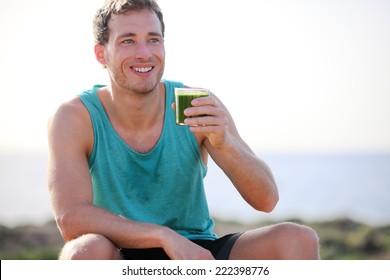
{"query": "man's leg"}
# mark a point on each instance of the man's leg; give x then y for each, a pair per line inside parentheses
(281, 241)
(90, 247)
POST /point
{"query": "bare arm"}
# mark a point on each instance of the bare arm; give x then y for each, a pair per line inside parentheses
(70, 144)
(219, 135)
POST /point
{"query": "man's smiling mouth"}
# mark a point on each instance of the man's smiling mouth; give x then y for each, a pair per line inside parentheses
(142, 69)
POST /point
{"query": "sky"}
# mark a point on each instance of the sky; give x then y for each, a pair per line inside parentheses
(298, 76)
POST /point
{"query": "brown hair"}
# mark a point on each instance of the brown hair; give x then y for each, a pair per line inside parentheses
(118, 7)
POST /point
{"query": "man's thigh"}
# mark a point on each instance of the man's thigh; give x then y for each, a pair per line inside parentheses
(279, 241)
(254, 244)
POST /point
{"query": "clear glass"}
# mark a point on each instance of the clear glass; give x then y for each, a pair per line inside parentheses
(183, 98)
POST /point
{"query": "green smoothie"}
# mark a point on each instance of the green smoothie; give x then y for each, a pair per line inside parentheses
(183, 98)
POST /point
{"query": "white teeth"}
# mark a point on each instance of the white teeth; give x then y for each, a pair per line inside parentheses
(142, 70)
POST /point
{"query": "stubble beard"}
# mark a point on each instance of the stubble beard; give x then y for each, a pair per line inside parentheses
(142, 88)
(135, 87)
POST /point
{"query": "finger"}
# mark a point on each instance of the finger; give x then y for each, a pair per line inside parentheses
(203, 110)
(202, 121)
(207, 129)
(203, 101)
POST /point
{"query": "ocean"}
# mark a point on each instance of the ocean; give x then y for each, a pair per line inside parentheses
(315, 187)
(312, 187)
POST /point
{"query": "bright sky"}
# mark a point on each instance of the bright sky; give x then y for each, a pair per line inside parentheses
(297, 76)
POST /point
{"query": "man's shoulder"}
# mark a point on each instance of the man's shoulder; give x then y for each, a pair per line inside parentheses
(70, 127)
(71, 115)
(73, 108)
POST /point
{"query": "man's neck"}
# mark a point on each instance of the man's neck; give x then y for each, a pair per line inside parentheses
(134, 111)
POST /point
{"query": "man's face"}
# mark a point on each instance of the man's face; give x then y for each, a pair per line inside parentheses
(135, 52)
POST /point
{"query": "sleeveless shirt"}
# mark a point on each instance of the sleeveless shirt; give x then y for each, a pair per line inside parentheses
(163, 186)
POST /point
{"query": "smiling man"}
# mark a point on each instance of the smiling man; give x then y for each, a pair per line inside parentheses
(127, 183)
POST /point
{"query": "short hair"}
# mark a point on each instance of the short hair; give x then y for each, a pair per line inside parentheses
(118, 7)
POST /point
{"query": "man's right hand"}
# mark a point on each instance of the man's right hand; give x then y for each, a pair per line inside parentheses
(178, 247)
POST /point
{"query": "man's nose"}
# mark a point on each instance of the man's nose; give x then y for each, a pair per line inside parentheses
(143, 51)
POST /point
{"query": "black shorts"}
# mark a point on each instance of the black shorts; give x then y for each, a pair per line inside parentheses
(219, 248)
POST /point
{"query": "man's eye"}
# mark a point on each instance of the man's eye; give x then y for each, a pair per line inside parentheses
(154, 40)
(128, 41)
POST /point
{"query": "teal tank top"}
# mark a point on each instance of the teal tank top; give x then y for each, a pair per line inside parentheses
(164, 186)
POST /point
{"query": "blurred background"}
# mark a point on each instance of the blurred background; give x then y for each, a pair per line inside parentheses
(306, 81)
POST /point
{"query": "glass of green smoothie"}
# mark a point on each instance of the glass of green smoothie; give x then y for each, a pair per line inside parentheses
(183, 98)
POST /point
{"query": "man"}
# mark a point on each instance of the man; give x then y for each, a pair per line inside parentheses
(127, 182)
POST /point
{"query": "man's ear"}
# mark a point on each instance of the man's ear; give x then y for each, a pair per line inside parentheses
(99, 54)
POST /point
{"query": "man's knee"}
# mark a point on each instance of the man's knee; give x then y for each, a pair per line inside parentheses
(307, 236)
(302, 239)
(89, 247)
